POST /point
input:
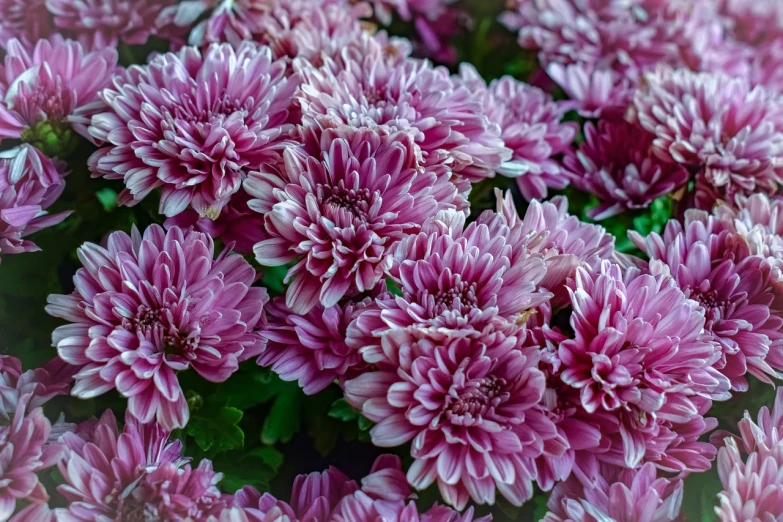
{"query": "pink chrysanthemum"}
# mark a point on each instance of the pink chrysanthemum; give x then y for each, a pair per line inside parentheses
(712, 265)
(467, 400)
(530, 125)
(339, 209)
(102, 23)
(32, 388)
(51, 91)
(638, 352)
(27, 21)
(23, 452)
(194, 124)
(615, 163)
(443, 116)
(362, 507)
(136, 473)
(148, 307)
(617, 495)
(312, 348)
(730, 134)
(29, 183)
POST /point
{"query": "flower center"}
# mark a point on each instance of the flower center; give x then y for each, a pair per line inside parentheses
(344, 205)
(479, 398)
(460, 297)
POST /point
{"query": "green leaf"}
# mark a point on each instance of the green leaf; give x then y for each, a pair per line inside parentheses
(392, 286)
(273, 279)
(108, 199)
(539, 501)
(365, 424)
(256, 468)
(217, 431)
(342, 410)
(249, 387)
(285, 417)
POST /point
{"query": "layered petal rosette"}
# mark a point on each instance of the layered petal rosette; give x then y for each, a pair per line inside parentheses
(147, 307)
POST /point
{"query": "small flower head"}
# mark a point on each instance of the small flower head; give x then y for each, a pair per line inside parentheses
(147, 307)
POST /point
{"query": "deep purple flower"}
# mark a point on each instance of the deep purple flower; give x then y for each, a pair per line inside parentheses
(339, 208)
(619, 495)
(468, 401)
(112, 475)
(729, 134)
(147, 307)
(711, 264)
(444, 117)
(194, 124)
(616, 163)
(29, 183)
(639, 353)
(51, 91)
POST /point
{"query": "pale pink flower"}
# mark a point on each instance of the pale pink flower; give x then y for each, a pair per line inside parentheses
(194, 125)
(147, 307)
(729, 134)
(362, 507)
(444, 117)
(711, 264)
(342, 203)
(617, 495)
(468, 401)
(103, 23)
(639, 353)
(594, 92)
(29, 183)
(112, 475)
(751, 484)
(616, 164)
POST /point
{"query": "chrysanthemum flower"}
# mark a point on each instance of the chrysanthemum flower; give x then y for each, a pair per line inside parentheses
(530, 125)
(617, 495)
(51, 91)
(31, 388)
(193, 124)
(730, 134)
(615, 163)
(102, 23)
(751, 484)
(29, 183)
(467, 400)
(638, 352)
(23, 452)
(711, 264)
(362, 507)
(27, 21)
(147, 307)
(136, 473)
(443, 116)
(343, 203)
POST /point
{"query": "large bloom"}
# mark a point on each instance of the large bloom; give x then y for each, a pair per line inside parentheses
(112, 475)
(751, 484)
(712, 265)
(147, 307)
(617, 495)
(615, 163)
(443, 116)
(194, 124)
(23, 452)
(469, 402)
(24, 20)
(530, 125)
(638, 352)
(51, 91)
(29, 183)
(730, 134)
(339, 209)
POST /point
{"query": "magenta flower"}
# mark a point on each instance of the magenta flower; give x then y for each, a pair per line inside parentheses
(752, 484)
(468, 401)
(24, 20)
(339, 209)
(29, 183)
(136, 473)
(51, 91)
(32, 388)
(362, 507)
(638, 352)
(530, 125)
(711, 264)
(617, 495)
(615, 163)
(102, 23)
(730, 134)
(365, 90)
(147, 307)
(194, 125)
(23, 452)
